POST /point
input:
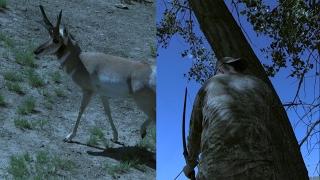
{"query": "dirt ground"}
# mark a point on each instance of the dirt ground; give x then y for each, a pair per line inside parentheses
(99, 26)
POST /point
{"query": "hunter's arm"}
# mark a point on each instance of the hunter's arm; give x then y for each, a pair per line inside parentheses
(195, 130)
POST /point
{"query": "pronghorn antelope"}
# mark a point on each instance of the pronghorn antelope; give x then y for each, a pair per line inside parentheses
(106, 75)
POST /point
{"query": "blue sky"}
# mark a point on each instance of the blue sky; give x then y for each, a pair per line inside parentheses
(170, 93)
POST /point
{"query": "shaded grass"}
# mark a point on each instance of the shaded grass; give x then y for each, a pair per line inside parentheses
(25, 124)
(27, 106)
(12, 76)
(121, 168)
(15, 87)
(25, 58)
(2, 101)
(96, 136)
(22, 124)
(60, 93)
(47, 166)
(34, 79)
(56, 77)
(18, 167)
(40, 123)
(49, 99)
(3, 3)
(8, 42)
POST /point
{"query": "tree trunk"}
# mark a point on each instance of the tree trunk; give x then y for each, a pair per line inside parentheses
(227, 39)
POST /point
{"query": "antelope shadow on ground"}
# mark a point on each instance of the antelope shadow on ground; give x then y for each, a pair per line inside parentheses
(142, 155)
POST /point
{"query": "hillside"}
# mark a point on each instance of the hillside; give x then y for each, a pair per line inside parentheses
(39, 103)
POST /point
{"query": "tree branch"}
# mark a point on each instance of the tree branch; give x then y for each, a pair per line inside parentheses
(309, 132)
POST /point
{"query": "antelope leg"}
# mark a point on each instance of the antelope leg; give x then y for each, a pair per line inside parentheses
(86, 96)
(145, 99)
(143, 129)
(107, 110)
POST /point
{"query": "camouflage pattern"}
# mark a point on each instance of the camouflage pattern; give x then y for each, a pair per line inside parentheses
(229, 127)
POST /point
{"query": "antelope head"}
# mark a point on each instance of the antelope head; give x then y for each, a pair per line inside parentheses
(58, 36)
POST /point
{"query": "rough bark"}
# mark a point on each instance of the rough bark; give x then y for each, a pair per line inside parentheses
(226, 39)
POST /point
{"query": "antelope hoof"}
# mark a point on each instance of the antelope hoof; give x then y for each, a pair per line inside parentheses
(115, 137)
(115, 141)
(69, 137)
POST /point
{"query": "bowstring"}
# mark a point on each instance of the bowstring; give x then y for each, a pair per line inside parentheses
(178, 175)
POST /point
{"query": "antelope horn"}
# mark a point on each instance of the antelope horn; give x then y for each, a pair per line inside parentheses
(58, 21)
(46, 21)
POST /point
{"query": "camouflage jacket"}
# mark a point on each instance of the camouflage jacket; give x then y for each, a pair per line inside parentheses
(229, 129)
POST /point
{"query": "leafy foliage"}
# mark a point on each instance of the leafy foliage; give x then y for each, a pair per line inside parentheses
(293, 27)
(179, 19)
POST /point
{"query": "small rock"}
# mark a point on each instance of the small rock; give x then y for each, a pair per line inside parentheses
(109, 11)
(121, 6)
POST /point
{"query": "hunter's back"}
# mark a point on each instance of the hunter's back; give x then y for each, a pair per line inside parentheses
(235, 140)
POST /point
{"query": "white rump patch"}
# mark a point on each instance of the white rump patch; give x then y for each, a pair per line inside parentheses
(109, 78)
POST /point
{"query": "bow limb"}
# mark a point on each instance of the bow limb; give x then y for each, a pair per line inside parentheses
(185, 150)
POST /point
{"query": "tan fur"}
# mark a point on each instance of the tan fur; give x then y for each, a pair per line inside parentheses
(102, 74)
